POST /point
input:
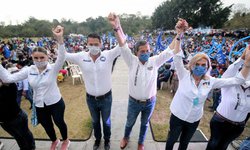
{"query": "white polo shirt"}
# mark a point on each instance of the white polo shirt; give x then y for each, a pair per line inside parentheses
(96, 75)
(188, 101)
(143, 78)
(44, 85)
(230, 96)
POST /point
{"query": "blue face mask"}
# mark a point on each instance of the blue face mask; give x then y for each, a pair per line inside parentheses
(199, 70)
(144, 57)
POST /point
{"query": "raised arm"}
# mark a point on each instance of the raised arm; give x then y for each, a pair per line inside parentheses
(6, 77)
(180, 27)
(115, 23)
(246, 67)
(58, 35)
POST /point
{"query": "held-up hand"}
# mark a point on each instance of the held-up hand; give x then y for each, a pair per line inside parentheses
(114, 20)
(181, 26)
(58, 34)
(243, 56)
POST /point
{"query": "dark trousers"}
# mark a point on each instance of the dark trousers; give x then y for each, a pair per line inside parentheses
(159, 81)
(55, 111)
(18, 128)
(19, 97)
(222, 133)
(98, 108)
(180, 128)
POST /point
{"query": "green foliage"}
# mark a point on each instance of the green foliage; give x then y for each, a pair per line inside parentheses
(198, 13)
(240, 20)
(37, 28)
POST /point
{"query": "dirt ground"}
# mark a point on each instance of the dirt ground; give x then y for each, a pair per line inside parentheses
(77, 115)
(161, 116)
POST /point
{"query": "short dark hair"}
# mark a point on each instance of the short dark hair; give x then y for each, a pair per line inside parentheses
(138, 44)
(94, 35)
(40, 49)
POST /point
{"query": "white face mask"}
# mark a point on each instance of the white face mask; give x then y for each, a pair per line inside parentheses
(94, 50)
(41, 64)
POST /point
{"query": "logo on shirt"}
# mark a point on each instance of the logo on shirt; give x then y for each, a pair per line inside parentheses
(86, 60)
(102, 58)
(206, 83)
(150, 68)
(33, 74)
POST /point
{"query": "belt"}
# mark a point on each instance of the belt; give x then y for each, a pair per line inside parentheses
(141, 101)
(101, 97)
(229, 121)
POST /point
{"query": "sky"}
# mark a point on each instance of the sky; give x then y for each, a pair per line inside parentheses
(17, 11)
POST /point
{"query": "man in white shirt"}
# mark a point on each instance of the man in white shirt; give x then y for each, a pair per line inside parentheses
(96, 67)
(143, 72)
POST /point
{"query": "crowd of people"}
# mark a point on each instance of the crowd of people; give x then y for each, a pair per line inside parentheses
(202, 66)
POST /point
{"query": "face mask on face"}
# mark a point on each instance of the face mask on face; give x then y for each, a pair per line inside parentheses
(94, 50)
(199, 70)
(41, 64)
(144, 57)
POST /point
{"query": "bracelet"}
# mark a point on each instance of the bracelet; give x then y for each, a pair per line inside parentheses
(116, 29)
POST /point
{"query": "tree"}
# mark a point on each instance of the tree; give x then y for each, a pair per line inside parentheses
(240, 18)
(199, 13)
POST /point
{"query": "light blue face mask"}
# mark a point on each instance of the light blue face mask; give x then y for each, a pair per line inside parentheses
(199, 71)
(144, 57)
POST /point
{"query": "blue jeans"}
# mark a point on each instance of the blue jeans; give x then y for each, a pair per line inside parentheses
(98, 108)
(245, 145)
(180, 128)
(134, 108)
(222, 133)
(29, 95)
(55, 111)
(18, 128)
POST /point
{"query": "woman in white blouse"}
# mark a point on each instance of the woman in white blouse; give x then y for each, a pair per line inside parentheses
(232, 113)
(47, 98)
(194, 86)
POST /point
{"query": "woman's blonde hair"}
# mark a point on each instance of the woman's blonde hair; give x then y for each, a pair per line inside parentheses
(198, 57)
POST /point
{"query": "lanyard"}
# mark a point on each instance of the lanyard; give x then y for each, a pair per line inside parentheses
(136, 74)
